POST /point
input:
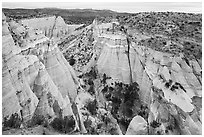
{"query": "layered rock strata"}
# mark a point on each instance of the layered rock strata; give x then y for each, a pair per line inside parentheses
(50, 26)
(31, 87)
(177, 78)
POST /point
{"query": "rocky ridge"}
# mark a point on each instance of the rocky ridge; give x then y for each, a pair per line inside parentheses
(30, 88)
(173, 79)
(52, 27)
(41, 88)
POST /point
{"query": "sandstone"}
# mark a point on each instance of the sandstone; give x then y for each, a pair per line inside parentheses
(5, 30)
(196, 68)
(37, 80)
(138, 126)
(50, 26)
(10, 102)
(151, 69)
(44, 85)
(60, 73)
(25, 100)
(164, 71)
(29, 88)
(192, 126)
(44, 24)
(9, 48)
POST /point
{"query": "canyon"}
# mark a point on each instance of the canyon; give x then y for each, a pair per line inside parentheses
(63, 79)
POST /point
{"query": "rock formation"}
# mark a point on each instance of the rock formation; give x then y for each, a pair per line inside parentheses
(50, 26)
(175, 77)
(31, 87)
(138, 126)
(97, 83)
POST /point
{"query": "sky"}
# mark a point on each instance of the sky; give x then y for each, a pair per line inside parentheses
(131, 7)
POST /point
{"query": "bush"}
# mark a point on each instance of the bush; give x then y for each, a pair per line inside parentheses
(91, 90)
(88, 127)
(155, 124)
(72, 61)
(123, 98)
(13, 122)
(92, 107)
(64, 125)
(113, 131)
(38, 120)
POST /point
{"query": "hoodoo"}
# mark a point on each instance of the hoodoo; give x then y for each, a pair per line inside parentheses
(31, 87)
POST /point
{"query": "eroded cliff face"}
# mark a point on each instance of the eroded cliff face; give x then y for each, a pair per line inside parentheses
(52, 27)
(174, 80)
(162, 94)
(40, 87)
(32, 89)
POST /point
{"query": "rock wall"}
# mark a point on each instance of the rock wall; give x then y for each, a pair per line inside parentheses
(138, 126)
(61, 72)
(174, 119)
(177, 81)
(54, 27)
(32, 86)
(147, 64)
(37, 81)
(44, 24)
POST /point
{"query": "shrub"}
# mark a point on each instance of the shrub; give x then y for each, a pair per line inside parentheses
(87, 125)
(72, 61)
(91, 90)
(92, 107)
(13, 122)
(155, 124)
(113, 131)
(65, 124)
(123, 98)
(38, 120)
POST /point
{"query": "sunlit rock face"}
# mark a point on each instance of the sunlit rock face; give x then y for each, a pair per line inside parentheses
(44, 24)
(61, 73)
(48, 95)
(138, 126)
(37, 81)
(60, 27)
(15, 76)
(147, 65)
(14, 85)
(5, 30)
(52, 27)
(31, 88)
(113, 61)
(174, 118)
(177, 81)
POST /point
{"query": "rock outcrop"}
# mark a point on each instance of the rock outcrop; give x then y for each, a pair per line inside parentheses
(119, 89)
(32, 86)
(17, 94)
(138, 126)
(176, 77)
(52, 27)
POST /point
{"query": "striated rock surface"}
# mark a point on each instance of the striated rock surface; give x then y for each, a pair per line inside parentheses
(148, 64)
(138, 126)
(16, 90)
(175, 78)
(141, 92)
(61, 72)
(50, 26)
(31, 87)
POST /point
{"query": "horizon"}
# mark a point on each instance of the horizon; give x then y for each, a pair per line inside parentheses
(128, 7)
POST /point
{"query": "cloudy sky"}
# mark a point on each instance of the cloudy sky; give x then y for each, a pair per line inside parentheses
(133, 7)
